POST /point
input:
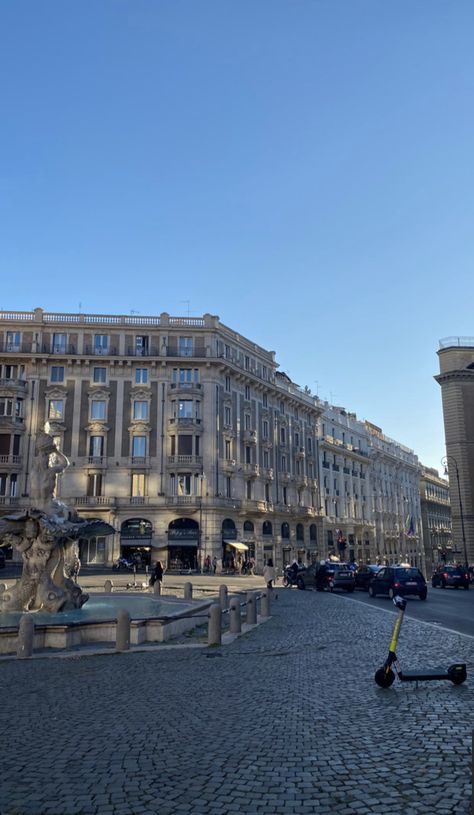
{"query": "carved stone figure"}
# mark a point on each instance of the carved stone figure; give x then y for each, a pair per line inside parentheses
(46, 537)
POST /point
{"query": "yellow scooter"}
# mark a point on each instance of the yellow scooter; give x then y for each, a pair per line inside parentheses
(385, 676)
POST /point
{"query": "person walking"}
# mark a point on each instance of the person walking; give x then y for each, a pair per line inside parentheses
(214, 565)
(157, 573)
(269, 574)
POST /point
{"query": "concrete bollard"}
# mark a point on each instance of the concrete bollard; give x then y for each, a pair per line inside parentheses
(265, 604)
(157, 587)
(26, 634)
(235, 624)
(251, 615)
(188, 591)
(108, 586)
(214, 629)
(223, 597)
(122, 635)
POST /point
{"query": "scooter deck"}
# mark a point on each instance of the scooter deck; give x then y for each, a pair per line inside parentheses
(434, 673)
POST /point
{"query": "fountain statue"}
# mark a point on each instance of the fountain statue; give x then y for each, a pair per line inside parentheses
(46, 535)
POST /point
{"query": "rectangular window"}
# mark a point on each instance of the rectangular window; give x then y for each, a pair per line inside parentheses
(227, 351)
(55, 409)
(227, 416)
(228, 487)
(16, 445)
(140, 410)
(264, 372)
(6, 407)
(185, 347)
(141, 346)
(3, 484)
(310, 445)
(265, 400)
(247, 392)
(228, 451)
(247, 363)
(99, 375)
(141, 376)
(197, 446)
(59, 343)
(248, 455)
(267, 492)
(13, 340)
(184, 484)
(186, 376)
(285, 495)
(265, 429)
(282, 435)
(94, 484)
(185, 445)
(185, 409)
(13, 485)
(138, 485)
(247, 421)
(96, 446)
(227, 384)
(57, 373)
(266, 458)
(98, 409)
(283, 464)
(19, 409)
(249, 489)
(139, 446)
(297, 439)
(101, 343)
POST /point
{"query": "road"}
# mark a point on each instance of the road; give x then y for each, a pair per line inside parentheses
(447, 608)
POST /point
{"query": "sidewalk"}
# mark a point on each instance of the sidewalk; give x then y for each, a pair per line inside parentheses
(286, 719)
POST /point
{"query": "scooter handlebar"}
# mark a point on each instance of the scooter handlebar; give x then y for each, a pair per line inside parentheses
(399, 602)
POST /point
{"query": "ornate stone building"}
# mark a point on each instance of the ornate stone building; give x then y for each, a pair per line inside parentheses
(456, 377)
(180, 433)
(435, 518)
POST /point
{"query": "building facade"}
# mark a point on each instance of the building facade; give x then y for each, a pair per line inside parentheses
(435, 519)
(180, 433)
(456, 378)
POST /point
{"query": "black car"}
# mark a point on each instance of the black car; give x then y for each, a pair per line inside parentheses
(2, 559)
(364, 575)
(401, 580)
(326, 576)
(450, 576)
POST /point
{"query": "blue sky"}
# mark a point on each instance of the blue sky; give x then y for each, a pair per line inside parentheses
(303, 169)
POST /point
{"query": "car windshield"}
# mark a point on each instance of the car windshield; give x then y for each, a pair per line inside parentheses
(453, 570)
(407, 573)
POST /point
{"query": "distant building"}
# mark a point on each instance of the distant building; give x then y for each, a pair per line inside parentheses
(456, 378)
(435, 519)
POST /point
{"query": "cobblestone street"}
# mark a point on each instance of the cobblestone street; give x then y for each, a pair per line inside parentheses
(286, 719)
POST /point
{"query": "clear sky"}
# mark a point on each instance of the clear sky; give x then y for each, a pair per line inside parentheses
(302, 168)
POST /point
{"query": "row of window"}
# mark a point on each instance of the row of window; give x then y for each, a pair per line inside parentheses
(100, 343)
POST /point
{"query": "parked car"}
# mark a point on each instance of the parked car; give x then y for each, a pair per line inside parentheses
(364, 575)
(326, 575)
(450, 576)
(401, 580)
(2, 559)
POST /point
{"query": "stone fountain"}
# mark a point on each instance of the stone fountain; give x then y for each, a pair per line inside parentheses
(46, 536)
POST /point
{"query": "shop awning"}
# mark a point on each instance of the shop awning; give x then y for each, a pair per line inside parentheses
(241, 547)
(182, 542)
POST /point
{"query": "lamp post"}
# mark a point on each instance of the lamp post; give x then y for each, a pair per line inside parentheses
(445, 461)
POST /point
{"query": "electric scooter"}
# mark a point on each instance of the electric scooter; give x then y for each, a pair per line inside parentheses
(385, 675)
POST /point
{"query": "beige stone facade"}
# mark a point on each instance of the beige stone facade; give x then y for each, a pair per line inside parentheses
(180, 433)
(436, 519)
(456, 378)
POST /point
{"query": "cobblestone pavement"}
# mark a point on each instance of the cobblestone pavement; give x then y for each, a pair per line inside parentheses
(287, 719)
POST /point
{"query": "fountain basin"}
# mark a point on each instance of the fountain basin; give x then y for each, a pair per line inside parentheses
(153, 619)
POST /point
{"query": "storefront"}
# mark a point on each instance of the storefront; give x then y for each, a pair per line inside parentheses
(183, 543)
(135, 541)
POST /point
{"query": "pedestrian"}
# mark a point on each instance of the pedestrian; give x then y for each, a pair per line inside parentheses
(157, 573)
(269, 574)
(214, 565)
(252, 566)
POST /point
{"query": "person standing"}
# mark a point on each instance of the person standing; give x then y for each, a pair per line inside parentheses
(157, 573)
(269, 574)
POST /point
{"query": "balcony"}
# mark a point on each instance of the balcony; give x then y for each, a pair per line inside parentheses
(139, 461)
(16, 421)
(228, 464)
(267, 473)
(13, 461)
(188, 387)
(8, 501)
(250, 437)
(300, 452)
(346, 471)
(18, 384)
(336, 468)
(92, 501)
(185, 500)
(188, 461)
(252, 470)
(221, 501)
(184, 421)
(326, 465)
(96, 461)
(251, 505)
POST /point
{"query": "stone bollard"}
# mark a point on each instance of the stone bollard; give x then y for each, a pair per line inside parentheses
(223, 597)
(26, 633)
(108, 586)
(235, 624)
(251, 616)
(122, 635)
(265, 604)
(214, 629)
(188, 591)
(157, 587)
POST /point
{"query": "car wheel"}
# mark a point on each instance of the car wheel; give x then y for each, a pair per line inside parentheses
(372, 591)
(433, 584)
(466, 587)
(423, 595)
(443, 584)
(300, 583)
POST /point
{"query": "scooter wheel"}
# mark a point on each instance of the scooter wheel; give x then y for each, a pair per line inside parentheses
(384, 678)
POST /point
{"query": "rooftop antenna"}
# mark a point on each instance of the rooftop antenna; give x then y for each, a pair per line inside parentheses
(188, 302)
(332, 395)
(80, 307)
(317, 386)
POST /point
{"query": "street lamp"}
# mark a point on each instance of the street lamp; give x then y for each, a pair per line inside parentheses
(445, 461)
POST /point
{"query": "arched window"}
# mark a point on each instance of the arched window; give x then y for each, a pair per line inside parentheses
(313, 535)
(299, 532)
(267, 528)
(285, 531)
(248, 526)
(228, 525)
